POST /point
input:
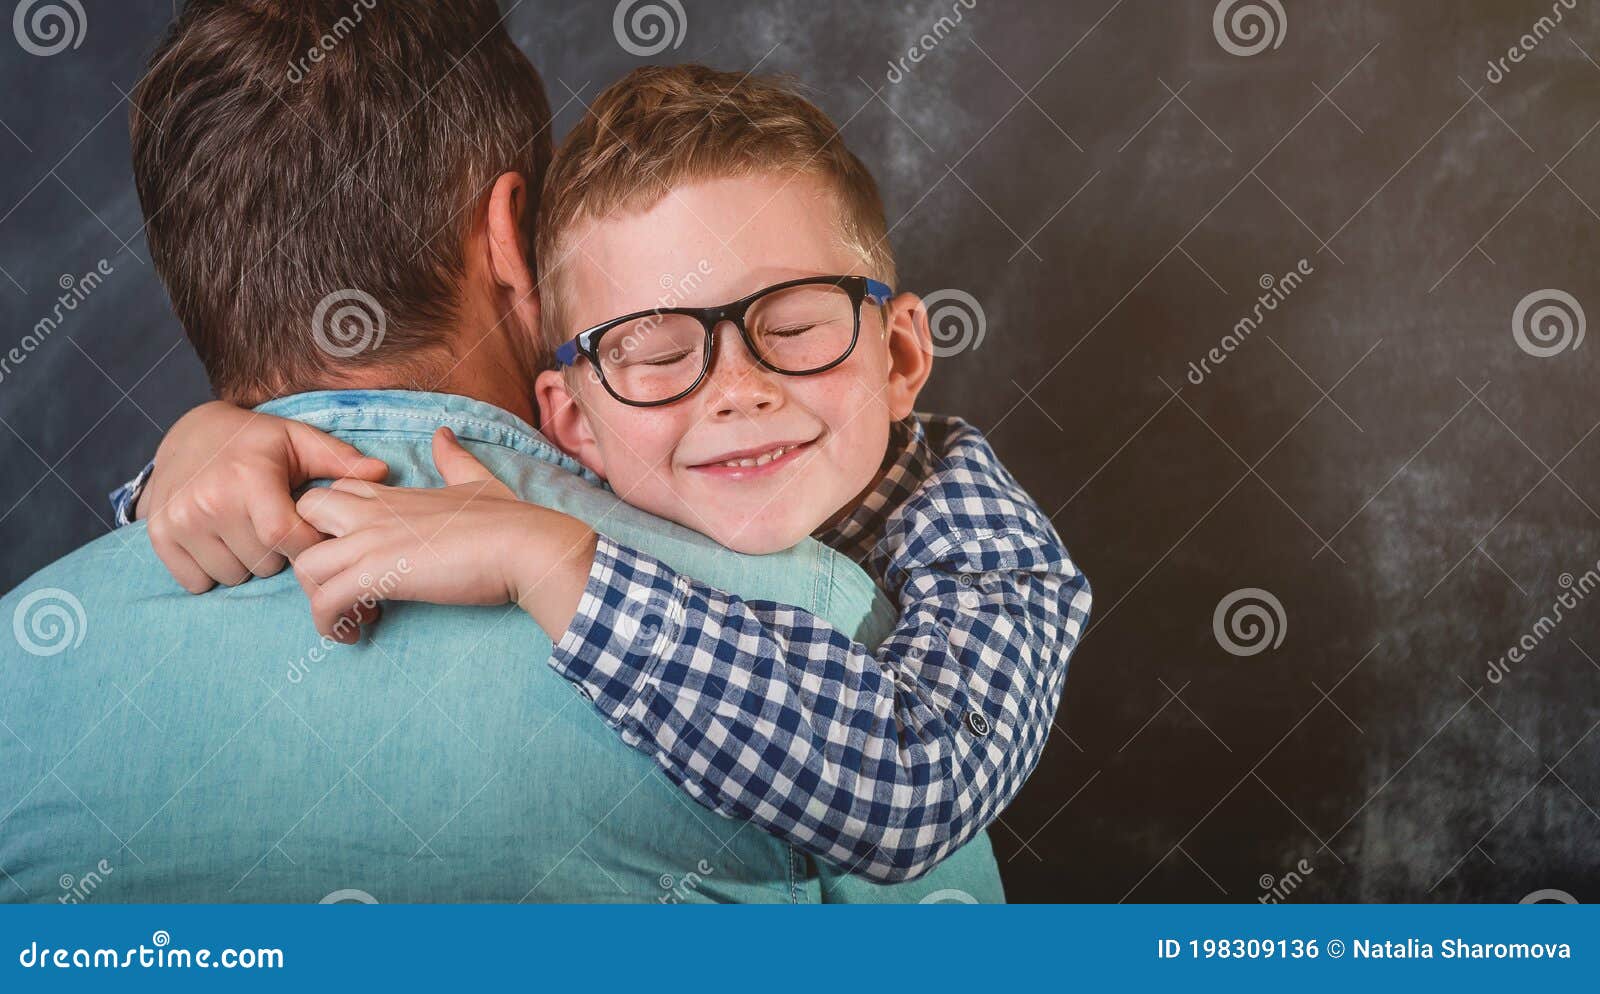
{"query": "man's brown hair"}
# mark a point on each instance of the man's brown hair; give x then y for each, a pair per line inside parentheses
(298, 158)
(659, 127)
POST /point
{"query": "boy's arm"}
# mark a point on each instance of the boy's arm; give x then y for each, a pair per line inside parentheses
(882, 762)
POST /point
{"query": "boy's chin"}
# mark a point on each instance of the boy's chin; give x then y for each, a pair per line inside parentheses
(760, 538)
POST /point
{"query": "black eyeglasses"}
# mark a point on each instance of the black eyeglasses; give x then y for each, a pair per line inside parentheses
(796, 328)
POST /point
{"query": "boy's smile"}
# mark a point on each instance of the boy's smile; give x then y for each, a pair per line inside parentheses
(755, 459)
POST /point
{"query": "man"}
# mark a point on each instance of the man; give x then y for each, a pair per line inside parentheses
(341, 207)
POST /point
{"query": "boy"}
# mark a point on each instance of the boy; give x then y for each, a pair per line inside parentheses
(773, 402)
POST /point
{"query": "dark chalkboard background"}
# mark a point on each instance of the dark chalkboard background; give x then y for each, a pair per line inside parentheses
(1111, 184)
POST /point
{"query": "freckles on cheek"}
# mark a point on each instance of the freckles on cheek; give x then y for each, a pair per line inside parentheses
(638, 455)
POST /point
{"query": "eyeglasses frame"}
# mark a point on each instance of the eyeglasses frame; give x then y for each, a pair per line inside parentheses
(587, 343)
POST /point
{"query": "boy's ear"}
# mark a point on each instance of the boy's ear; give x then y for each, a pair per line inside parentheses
(910, 343)
(563, 421)
(509, 253)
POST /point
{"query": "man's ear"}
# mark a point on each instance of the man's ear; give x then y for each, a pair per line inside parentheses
(910, 343)
(563, 420)
(509, 254)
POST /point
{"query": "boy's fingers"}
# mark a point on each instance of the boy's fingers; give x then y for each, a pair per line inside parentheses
(247, 547)
(456, 464)
(319, 563)
(303, 577)
(180, 564)
(333, 556)
(346, 623)
(359, 617)
(336, 605)
(334, 512)
(320, 456)
(361, 488)
(217, 560)
(279, 527)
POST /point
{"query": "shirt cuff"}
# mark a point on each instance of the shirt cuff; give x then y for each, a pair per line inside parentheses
(632, 612)
(125, 499)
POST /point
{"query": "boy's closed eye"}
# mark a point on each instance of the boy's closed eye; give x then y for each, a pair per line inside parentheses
(664, 360)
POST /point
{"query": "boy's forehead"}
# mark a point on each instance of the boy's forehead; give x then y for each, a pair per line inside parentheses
(705, 243)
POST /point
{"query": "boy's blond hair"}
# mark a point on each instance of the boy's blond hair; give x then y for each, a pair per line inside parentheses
(660, 127)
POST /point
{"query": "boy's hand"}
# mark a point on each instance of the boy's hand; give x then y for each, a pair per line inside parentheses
(470, 542)
(220, 502)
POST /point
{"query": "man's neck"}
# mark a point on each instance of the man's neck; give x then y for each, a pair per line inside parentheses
(490, 372)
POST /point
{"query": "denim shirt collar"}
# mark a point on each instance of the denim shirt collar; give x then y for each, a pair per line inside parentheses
(421, 413)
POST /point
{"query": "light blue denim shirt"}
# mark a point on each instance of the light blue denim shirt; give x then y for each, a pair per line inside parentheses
(160, 747)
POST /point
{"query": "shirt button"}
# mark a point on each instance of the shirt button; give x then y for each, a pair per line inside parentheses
(977, 724)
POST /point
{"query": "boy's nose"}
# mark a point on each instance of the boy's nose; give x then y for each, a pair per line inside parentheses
(738, 383)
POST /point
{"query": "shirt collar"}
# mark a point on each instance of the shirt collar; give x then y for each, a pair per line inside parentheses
(907, 462)
(411, 411)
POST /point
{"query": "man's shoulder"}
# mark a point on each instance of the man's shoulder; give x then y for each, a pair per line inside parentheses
(809, 575)
(118, 562)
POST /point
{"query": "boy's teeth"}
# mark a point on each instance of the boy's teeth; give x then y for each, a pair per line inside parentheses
(760, 460)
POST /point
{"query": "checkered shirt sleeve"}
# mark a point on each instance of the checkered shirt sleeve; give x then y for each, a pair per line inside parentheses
(883, 761)
(125, 499)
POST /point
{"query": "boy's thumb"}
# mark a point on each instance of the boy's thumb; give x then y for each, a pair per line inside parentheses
(321, 456)
(455, 463)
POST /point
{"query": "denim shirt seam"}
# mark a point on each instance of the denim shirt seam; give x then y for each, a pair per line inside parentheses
(500, 434)
(824, 572)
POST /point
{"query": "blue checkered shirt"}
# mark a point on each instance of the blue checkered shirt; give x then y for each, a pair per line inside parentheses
(125, 499)
(880, 761)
